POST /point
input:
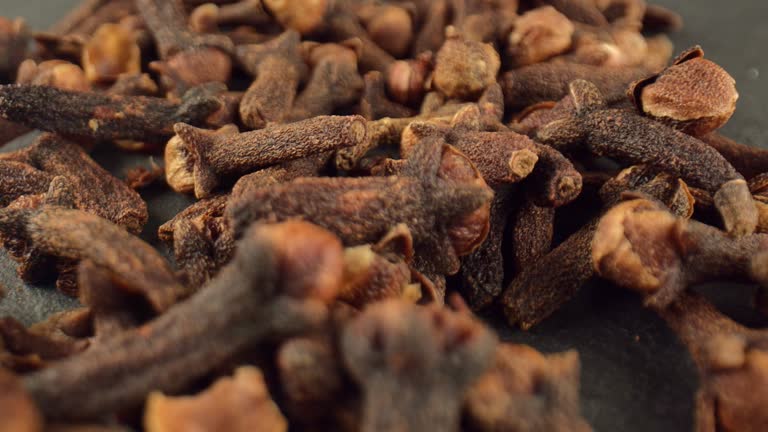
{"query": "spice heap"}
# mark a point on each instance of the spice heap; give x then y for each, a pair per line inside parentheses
(356, 165)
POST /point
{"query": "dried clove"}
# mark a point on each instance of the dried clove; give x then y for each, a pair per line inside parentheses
(465, 68)
(188, 60)
(276, 60)
(238, 404)
(273, 288)
(374, 103)
(436, 180)
(14, 38)
(628, 137)
(749, 161)
(76, 235)
(111, 51)
(538, 35)
(201, 159)
(445, 352)
(526, 391)
(677, 253)
(104, 117)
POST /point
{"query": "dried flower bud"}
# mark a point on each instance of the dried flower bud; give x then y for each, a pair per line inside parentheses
(538, 35)
(237, 404)
(53, 73)
(694, 95)
(407, 79)
(304, 16)
(465, 68)
(14, 38)
(17, 411)
(390, 27)
(111, 51)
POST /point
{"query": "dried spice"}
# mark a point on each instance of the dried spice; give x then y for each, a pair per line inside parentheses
(676, 255)
(202, 159)
(361, 210)
(107, 117)
(628, 137)
(240, 403)
(14, 38)
(538, 35)
(445, 352)
(250, 296)
(526, 391)
(694, 95)
(464, 68)
(112, 51)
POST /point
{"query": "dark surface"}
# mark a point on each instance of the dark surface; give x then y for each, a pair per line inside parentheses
(635, 375)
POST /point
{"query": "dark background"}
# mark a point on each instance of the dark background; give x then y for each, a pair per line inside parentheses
(635, 375)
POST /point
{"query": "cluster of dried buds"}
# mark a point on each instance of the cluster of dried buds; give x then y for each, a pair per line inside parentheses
(354, 165)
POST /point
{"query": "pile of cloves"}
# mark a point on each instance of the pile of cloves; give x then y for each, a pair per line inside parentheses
(365, 176)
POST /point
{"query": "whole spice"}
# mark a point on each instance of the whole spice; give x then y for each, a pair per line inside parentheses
(248, 302)
(629, 137)
(238, 404)
(201, 159)
(538, 35)
(464, 68)
(17, 411)
(14, 39)
(112, 51)
(106, 117)
(445, 352)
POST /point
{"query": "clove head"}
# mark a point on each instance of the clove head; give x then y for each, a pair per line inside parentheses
(694, 95)
(464, 68)
(538, 35)
(110, 52)
(407, 79)
(304, 16)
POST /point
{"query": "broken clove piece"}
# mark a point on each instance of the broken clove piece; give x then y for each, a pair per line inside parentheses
(445, 352)
(275, 286)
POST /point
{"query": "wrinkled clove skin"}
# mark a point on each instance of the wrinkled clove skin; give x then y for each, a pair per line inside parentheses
(527, 391)
(188, 60)
(694, 95)
(17, 410)
(538, 35)
(274, 287)
(380, 271)
(45, 345)
(438, 194)
(465, 68)
(240, 403)
(21, 179)
(278, 60)
(204, 158)
(731, 363)
(629, 137)
(14, 39)
(532, 233)
(111, 309)
(676, 253)
(542, 287)
(549, 81)
(95, 190)
(445, 352)
(749, 161)
(333, 83)
(104, 117)
(76, 235)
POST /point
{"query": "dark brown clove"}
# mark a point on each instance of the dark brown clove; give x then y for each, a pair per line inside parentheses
(76, 235)
(749, 161)
(375, 104)
(436, 180)
(95, 190)
(432, 33)
(272, 289)
(465, 68)
(549, 81)
(278, 60)
(445, 352)
(527, 391)
(342, 25)
(21, 179)
(676, 254)
(532, 233)
(108, 117)
(202, 159)
(629, 137)
(334, 82)
(188, 60)
(239, 403)
(14, 38)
